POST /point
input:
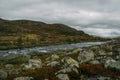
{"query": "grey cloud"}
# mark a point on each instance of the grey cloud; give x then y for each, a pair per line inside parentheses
(102, 14)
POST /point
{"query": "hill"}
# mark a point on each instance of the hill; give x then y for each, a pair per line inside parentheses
(27, 33)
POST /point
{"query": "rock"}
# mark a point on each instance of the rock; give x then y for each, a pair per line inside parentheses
(78, 50)
(101, 53)
(103, 78)
(52, 57)
(3, 74)
(68, 69)
(68, 61)
(24, 78)
(63, 77)
(94, 62)
(69, 65)
(85, 56)
(115, 65)
(33, 64)
(108, 61)
(54, 63)
(9, 66)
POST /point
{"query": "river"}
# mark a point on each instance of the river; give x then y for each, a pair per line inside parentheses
(50, 48)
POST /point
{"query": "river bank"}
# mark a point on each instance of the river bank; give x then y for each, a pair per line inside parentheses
(97, 62)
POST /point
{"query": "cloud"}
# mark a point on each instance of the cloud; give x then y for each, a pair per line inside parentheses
(87, 13)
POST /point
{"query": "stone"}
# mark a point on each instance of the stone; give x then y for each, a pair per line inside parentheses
(85, 56)
(94, 62)
(33, 64)
(68, 61)
(3, 74)
(9, 66)
(103, 78)
(52, 57)
(24, 78)
(109, 61)
(63, 77)
(69, 65)
(54, 63)
(115, 65)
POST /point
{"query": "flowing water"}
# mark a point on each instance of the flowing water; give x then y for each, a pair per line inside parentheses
(50, 48)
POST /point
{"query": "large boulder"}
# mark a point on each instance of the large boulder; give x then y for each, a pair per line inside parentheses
(33, 64)
(68, 61)
(63, 77)
(85, 56)
(69, 65)
(3, 74)
(24, 78)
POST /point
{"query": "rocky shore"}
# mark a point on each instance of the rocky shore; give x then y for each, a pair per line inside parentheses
(101, 62)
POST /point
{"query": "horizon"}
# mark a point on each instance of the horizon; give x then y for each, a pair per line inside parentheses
(95, 17)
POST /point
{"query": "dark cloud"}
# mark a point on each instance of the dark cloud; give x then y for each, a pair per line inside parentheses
(100, 15)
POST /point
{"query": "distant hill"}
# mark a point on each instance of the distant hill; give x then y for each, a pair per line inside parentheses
(27, 33)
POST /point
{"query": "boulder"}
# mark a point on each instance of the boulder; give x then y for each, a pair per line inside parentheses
(68, 61)
(33, 64)
(115, 65)
(3, 74)
(94, 62)
(24, 78)
(108, 61)
(69, 65)
(9, 66)
(52, 57)
(54, 63)
(63, 77)
(85, 56)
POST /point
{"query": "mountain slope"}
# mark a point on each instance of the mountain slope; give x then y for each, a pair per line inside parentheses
(26, 33)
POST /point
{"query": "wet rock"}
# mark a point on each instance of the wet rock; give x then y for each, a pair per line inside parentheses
(24, 78)
(85, 56)
(63, 77)
(3, 74)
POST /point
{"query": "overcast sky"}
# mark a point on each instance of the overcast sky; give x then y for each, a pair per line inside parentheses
(96, 17)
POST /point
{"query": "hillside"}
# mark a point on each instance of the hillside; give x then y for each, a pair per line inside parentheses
(26, 33)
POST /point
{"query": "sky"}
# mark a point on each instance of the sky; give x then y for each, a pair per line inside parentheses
(96, 17)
